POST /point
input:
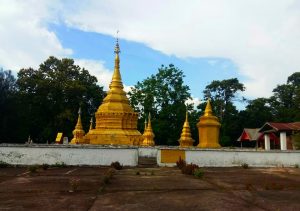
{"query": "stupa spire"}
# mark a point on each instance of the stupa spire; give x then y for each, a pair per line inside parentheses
(79, 124)
(116, 81)
(186, 137)
(148, 134)
(208, 109)
(78, 132)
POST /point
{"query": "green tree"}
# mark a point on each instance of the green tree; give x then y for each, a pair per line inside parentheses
(52, 95)
(286, 100)
(257, 112)
(8, 106)
(164, 96)
(222, 94)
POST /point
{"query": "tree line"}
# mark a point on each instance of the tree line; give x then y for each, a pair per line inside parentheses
(41, 102)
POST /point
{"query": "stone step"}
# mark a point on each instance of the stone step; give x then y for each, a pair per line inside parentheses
(147, 162)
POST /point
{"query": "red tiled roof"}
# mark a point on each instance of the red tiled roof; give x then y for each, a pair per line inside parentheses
(277, 126)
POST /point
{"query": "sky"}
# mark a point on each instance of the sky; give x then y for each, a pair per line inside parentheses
(256, 41)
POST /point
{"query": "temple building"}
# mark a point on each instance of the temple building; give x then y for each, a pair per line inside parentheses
(116, 121)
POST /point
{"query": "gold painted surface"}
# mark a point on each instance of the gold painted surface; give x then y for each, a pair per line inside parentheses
(116, 122)
(209, 128)
(59, 138)
(186, 137)
(148, 136)
(171, 156)
(78, 132)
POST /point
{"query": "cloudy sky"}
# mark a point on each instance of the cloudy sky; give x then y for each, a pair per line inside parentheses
(257, 41)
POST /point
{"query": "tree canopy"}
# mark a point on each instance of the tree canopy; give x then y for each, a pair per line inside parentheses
(49, 98)
(163, 95)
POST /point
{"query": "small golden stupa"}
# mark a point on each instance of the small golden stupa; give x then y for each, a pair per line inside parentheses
(209, 128)
(186, 137)
(78, 132)
(116, 122)
(148, 135)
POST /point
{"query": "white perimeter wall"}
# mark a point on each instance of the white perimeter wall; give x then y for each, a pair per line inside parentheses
(227, 158)
(128, 156)
(70, 155)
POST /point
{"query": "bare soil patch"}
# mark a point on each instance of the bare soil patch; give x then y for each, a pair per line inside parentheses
(150, 189)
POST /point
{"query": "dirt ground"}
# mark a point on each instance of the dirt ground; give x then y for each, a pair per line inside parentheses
(149, 189)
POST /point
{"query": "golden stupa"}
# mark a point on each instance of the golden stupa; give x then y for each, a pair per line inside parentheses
(209, 128)
(116, 122)
(78, 132)
(148, 135)
(186, 137)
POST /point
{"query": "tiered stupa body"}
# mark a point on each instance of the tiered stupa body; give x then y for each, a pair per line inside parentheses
(209, 128)
(148, 135)
(116, 122)
(186, 137)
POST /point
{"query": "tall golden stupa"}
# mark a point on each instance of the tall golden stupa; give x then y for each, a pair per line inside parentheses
(116, 122)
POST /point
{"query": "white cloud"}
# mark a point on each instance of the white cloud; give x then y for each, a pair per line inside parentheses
(24, 38)
(97, 69)
(261, 37)
(195, 100)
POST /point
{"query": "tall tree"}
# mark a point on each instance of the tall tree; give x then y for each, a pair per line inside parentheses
(52, 95)
(164, 96)
(8, 106)
(286, 100)
(257, 112)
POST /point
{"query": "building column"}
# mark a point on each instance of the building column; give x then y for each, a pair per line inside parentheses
(283, 140)
(267, 142)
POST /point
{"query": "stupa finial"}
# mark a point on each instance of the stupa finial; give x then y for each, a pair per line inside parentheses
(117, 47)
(208, 109)
(145, 124)
(116, 81)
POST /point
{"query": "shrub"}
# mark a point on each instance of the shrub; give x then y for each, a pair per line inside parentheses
(33, 169)
(45, 166)
(245, 166)
(189, 169)
(198, 172)
(3, 164)
(59, 165)
(116, 165)
(296, 166)
(137, 173)
(180, 163)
